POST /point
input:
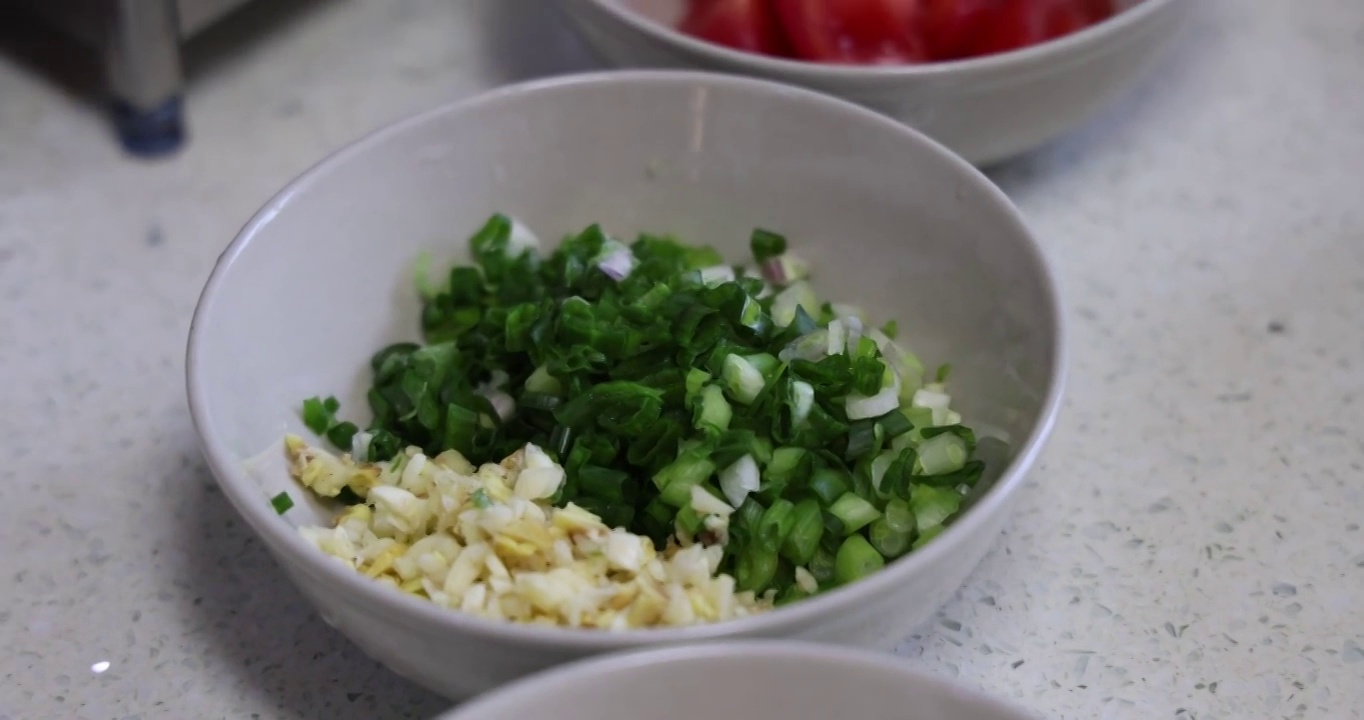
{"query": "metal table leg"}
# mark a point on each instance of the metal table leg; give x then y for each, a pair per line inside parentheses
(142, 56)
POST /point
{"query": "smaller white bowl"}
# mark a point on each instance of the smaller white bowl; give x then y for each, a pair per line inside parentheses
(986, 109)
(750, 680)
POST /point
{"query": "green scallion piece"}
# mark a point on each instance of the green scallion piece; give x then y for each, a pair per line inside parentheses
(807, 527)
(899, 518)
(821, 565)
(890, 543)
(854, 512)
(756, 567)
(829, 484)
(766, 244)
(856, 559)
(282, 503)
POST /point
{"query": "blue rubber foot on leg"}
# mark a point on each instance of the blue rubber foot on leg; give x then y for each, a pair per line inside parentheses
(147, 133)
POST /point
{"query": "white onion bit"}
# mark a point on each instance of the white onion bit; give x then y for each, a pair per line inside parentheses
(740, 479)
(861, 408)
(618, 265)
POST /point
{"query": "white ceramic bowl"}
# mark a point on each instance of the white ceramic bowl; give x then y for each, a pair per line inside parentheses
(750, 680)
(322, 277)
(986, 109)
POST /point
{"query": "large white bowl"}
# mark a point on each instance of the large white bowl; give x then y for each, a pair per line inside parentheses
(986, 109)
(751, 680)
(322, 277)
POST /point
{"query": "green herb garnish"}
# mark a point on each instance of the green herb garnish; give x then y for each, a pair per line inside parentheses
(320, 416)
(282, 503)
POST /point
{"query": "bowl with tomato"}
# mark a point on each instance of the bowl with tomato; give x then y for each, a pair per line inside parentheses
(990, 79)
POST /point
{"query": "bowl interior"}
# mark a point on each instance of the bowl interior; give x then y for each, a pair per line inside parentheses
(323, 277)
(752, 681)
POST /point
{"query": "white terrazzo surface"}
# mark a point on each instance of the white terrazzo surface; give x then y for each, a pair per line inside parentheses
(1189, 548)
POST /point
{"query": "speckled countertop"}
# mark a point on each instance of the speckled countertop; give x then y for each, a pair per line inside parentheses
(1189, 548)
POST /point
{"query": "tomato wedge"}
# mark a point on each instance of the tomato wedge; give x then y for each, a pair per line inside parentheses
(854, 31)
(950, 25)
(868, 32)
(749, 25)
(1012, 24)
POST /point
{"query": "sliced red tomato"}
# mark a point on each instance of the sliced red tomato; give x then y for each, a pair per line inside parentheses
(949, 25)
(1100, 10)
(749, 25)
(854, 31)
(1013, 24)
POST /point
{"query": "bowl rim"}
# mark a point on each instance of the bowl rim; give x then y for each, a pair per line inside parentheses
(810, 71)
(814, 655)
(416, 613)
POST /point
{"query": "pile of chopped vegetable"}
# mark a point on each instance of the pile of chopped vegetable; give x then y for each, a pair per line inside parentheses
(687, 400)
(486, 541)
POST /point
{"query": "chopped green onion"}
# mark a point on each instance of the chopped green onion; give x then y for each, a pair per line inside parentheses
(854, 512)
(965, 433)
(863, 440)
(802, 402)
(879, 465)
(282, 503)
(676, 480)
(822, 566)
(868, 376)
(659, 361)
(967, 476)
(749, 513)
(319, 415)
(739, 479)
(480, 499)
(603, 483)
(689, 521)
(775, 524)
(919, 417)
(756, 567)
(785, 462)
(942, 454)
(829, 484)
(932, 506)
(541, 381)
(862, 407)
(767, 244)
(856, 559)
(894, 424)
(714, 413)
(925, 537)
(341, 434)
(798, 294)
(742, 379)
(890, 543)
(931, 399)
(705, 502)
(695, 383)
(899, 517)
(762, 362)
(807, 526)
